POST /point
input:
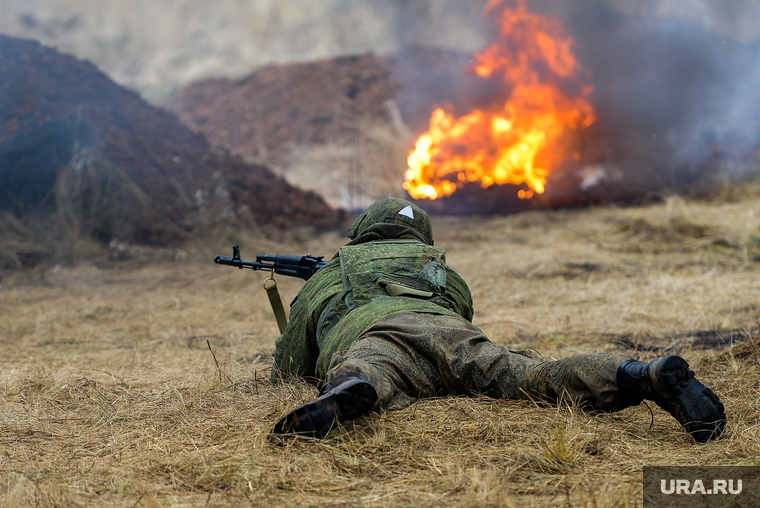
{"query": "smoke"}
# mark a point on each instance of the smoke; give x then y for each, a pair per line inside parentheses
(737, 19)
(446, 24)
(677, 84)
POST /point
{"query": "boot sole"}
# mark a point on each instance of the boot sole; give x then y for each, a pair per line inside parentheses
(690, 402)
(318, 417)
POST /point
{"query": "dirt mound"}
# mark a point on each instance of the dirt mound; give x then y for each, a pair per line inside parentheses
(331, 126)
(266, 113)
(339, 126)
(77, 147)
(276, 107)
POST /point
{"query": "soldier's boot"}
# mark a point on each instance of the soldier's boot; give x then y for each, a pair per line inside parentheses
(346, 397)
(671, 384)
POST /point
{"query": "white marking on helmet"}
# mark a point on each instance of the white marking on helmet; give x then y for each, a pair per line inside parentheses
(407, 212)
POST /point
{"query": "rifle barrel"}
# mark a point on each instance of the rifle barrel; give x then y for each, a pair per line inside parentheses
(302, 267)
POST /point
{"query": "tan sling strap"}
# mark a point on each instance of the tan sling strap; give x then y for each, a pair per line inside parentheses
(276, 302)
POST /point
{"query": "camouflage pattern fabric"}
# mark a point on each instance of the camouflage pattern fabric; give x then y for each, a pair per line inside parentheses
(394, 211)
(408, 355)
(312, 337)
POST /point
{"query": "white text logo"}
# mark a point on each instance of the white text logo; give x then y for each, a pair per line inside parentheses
(698, 487)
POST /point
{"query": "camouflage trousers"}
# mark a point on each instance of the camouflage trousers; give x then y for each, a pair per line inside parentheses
(407, 356)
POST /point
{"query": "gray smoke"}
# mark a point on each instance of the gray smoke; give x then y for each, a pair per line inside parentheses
(677, 83)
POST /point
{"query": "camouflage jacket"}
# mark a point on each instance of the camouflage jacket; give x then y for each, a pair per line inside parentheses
(368, 279)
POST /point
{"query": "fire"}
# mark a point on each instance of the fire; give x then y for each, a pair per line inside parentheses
(519, 142)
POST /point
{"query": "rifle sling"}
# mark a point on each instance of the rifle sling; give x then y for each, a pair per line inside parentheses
(276, 302)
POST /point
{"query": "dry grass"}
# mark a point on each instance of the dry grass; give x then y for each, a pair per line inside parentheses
(109, 394)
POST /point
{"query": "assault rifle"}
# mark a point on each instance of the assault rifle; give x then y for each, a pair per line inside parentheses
(282, 264)
(302, 267)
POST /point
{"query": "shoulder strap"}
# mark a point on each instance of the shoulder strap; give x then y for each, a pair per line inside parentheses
(276, 302)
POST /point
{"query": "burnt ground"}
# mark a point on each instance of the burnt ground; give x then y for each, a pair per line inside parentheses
(78, 148)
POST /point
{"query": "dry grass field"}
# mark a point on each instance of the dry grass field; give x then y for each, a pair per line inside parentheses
(110, 394)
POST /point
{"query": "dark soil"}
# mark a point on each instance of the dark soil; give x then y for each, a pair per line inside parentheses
(76, 146)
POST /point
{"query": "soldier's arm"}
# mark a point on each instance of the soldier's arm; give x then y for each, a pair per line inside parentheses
(295, 353)
(296, 350)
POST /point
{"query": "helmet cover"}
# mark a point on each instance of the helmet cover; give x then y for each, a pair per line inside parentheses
(393, 211)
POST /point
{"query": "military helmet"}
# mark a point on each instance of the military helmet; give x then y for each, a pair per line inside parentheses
(394, 211)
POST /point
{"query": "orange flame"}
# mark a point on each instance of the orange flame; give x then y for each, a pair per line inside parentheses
(533, 57)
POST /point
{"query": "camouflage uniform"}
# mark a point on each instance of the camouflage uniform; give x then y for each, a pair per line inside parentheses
(388, 307)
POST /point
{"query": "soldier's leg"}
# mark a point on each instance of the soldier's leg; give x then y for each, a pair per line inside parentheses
(470, 363)
(408, 355)
(392, 356)
(586, 380)
(385, 368)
